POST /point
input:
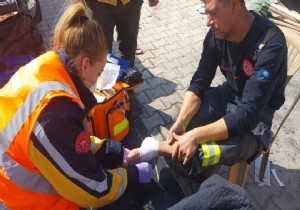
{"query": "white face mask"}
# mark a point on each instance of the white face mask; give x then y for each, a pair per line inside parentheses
(93, 86)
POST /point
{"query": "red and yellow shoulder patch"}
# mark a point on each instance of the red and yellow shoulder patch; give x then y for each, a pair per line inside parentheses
(247, 67)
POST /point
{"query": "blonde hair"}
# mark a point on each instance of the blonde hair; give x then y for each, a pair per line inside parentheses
(79, 36)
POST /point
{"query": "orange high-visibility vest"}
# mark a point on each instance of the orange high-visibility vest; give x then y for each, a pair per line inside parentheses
(22, 100)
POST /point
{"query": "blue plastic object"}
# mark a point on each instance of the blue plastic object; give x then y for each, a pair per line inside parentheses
(9, 65)
(119, 61)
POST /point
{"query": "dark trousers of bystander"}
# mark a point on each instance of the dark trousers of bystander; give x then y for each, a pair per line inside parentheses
(125, 18)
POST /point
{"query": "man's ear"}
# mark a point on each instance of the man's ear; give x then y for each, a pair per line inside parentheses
(233, 5)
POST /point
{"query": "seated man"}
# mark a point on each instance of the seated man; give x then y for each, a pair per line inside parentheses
(229, 123)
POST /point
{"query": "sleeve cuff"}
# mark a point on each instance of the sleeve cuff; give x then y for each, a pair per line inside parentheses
(132, 177)
(196, 90)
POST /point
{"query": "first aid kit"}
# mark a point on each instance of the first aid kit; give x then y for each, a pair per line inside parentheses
(109, 118)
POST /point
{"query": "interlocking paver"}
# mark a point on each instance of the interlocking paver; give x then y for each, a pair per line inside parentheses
(171, 36)
(187, 29)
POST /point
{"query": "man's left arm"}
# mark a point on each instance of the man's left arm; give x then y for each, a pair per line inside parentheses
(188, 143)
(257, 95)
(264, 91)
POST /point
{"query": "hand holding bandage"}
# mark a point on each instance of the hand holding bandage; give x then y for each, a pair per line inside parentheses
(147, 151)
(125, 156)
(145, 169)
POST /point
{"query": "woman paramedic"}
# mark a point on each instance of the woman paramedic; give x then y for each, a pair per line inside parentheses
(48, 159)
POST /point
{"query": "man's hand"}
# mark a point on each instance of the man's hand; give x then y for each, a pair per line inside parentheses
(153, 3)
(185, 147)
(177, 128)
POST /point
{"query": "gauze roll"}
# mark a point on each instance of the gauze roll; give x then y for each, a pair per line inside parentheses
(148, 149)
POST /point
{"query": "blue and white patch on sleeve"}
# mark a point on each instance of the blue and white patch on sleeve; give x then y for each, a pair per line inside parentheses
(263, 75)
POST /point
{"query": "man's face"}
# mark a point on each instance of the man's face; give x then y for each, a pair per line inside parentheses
(219, 17)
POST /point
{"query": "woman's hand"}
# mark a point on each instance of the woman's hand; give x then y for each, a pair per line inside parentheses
(133, 157)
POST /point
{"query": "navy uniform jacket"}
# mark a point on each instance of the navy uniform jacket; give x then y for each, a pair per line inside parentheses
(259, 85)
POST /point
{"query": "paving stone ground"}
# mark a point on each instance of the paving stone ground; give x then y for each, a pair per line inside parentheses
(171, 36)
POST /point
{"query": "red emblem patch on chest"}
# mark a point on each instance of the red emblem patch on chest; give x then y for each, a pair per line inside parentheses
(83, 142)
(247, 67)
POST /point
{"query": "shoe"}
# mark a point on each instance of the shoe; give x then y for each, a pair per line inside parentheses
(138, 51)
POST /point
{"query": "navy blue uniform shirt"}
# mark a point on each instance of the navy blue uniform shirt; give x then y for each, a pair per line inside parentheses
(259, 85)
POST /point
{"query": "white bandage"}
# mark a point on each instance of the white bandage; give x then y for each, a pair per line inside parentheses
(148, 149)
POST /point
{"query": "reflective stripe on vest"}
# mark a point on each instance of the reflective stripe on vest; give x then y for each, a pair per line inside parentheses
(17, 173)
(2, 207)
(120, 127)
(32, 101)
(25, 178)
(63, 164)
(211, 153)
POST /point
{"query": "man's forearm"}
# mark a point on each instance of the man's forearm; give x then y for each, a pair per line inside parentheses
(190, 106)
(212, 132)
